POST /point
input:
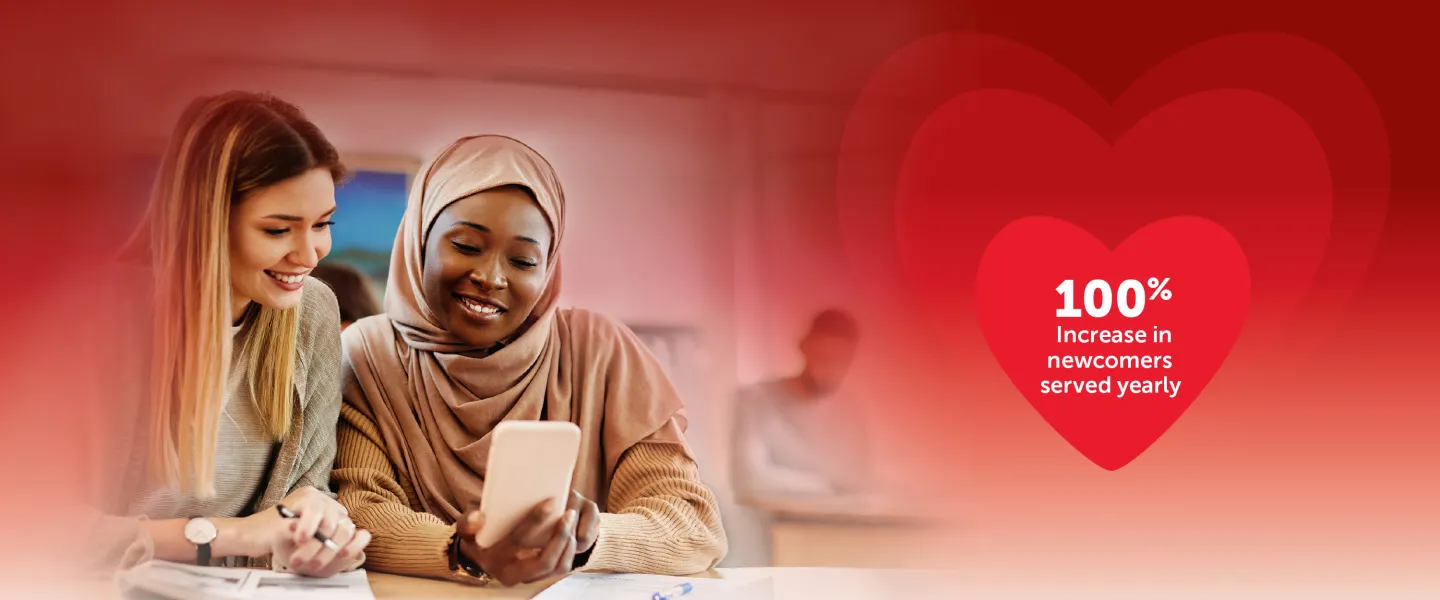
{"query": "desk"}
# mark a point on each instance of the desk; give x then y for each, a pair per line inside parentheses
(839, 532)
(786, 584)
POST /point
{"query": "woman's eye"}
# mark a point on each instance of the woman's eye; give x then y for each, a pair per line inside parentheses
(277, 231)
(524, 263)
(324, 225)
(465, 248)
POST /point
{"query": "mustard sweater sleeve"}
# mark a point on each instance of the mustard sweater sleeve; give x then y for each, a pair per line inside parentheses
(661, 518)
(404, 541)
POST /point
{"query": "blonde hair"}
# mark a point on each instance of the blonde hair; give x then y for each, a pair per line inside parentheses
(223, 148)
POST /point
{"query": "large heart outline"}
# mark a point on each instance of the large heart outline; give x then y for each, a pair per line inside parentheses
(924, 75)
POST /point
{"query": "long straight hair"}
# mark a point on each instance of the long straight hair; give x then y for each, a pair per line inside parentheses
(223, 148)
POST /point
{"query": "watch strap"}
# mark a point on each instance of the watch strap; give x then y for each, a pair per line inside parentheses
(462, 565)
(202, 551)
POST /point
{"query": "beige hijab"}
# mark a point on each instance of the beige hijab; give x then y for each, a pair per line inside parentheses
(435, 408)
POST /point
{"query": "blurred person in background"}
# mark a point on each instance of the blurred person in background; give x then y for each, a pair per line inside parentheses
(353, 291)
(227, 405)
(796, 437)
(473, 335)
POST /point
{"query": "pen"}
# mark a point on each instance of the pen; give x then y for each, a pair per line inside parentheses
(674, 592)
(289, 514)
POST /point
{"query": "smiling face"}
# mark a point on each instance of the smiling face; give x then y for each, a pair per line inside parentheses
(486, 258)
(278, 234)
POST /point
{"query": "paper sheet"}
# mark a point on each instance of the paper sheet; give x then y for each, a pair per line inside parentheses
(181, 581)
(598, 586)
(285, 586)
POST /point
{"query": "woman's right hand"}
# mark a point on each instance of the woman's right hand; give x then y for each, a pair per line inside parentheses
(533, 550)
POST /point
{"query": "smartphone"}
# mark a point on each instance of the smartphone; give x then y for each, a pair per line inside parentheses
(530, 462)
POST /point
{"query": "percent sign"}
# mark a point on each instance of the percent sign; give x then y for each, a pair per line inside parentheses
(1098, 297)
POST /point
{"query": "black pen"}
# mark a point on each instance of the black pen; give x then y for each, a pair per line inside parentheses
(289, 514)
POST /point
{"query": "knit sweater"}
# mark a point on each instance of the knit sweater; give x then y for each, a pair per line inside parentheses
(253, 472)
(663, 520)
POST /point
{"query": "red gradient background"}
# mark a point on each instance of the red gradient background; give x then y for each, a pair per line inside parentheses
(1310, 465)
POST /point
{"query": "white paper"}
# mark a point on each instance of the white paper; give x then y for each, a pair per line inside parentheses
(602, 586)
(284, 586)
(190, 582)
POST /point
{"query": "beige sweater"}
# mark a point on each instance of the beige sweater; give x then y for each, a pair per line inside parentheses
(664, 520)
(253, 472)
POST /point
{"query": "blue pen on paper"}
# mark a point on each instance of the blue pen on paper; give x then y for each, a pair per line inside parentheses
(674, 592)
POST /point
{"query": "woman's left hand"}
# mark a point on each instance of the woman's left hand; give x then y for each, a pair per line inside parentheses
(294, 544)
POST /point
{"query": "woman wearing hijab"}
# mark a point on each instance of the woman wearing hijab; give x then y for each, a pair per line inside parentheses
(472, 336)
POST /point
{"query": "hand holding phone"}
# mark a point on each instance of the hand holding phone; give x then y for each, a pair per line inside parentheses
(530, 524)
(530, 463)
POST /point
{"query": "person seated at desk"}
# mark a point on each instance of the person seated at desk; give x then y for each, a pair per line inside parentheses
(472, 335)
(794, 437)
(352, 290)
(234, 393)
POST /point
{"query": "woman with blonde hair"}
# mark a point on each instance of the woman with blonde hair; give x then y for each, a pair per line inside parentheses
(473, 335)
(234, 394)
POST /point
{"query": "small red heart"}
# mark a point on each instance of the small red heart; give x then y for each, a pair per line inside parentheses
(1121, 381)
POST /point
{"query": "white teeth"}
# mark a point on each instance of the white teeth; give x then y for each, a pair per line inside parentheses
(478, 307)
(286, 278)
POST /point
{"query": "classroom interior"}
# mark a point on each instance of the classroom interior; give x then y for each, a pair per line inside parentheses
(700, 213)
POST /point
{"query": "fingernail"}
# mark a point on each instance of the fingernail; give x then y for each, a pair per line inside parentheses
(570, 516)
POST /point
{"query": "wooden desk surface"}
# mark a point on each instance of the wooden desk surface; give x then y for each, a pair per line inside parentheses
(785, 584)
(859, 532)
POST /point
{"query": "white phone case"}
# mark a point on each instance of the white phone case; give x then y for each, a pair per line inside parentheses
(530, 461)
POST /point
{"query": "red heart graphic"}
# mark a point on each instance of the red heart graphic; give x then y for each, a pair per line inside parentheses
(955, 136)
(1111, 385)
(1224, 152)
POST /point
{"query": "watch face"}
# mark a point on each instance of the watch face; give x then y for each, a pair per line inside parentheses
(200, 531)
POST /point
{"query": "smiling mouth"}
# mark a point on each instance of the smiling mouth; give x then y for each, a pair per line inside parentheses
(286, 278)
(479, 308)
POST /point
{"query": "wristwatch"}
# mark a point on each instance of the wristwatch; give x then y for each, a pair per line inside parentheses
(462, 566)
(201, 532)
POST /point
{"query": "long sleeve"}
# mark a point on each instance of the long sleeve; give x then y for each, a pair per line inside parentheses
(755, 473)
(404, 541)
(661, 518)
